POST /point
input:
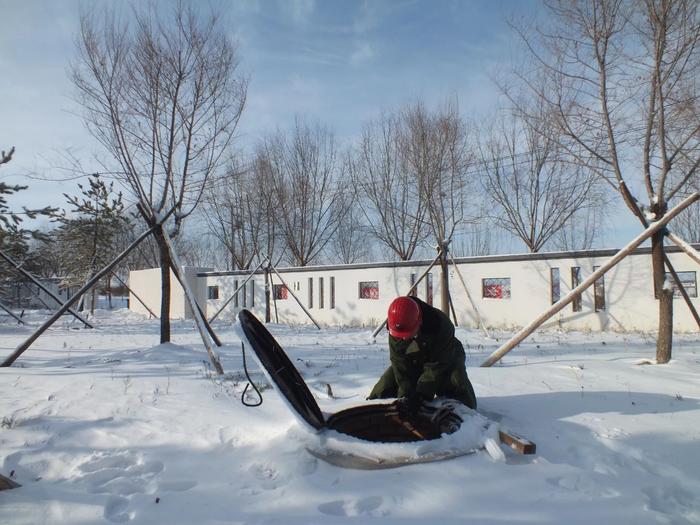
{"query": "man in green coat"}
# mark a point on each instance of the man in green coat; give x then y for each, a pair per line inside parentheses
(427, 360)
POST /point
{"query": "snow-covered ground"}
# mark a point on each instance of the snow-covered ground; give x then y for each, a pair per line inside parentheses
(106, 425)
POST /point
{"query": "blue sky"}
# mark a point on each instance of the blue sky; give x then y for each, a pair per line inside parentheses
(338, 62)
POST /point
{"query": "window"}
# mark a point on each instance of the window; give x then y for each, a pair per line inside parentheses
(599, 292)
(212, 292)
(332, 292)
(555, 288)
(251, 290)
(429, 289)
(311, 292)
(575, 281)
(320, 292)
(280, 292)
(369, 290)
(414, 291)
(689, 282)
(235, 297)
(245, 295)
(495, 288)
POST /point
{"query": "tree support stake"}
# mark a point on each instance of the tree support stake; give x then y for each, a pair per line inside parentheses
(559, 305)
(29, 276)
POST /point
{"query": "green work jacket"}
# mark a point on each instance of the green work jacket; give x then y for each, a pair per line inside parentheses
(423, 364)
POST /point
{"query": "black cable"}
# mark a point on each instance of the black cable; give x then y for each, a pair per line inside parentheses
(250, 383)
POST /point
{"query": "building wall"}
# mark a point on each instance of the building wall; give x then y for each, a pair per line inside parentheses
(629, 300)
(630, 304)
(147, 284)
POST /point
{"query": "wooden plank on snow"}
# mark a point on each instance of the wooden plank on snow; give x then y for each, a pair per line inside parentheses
(7, 483)
(516, 442)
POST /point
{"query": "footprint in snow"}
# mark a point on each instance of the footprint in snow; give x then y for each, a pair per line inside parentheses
(585, 486)
(267, 474)
(117, 510)
(176, 486)
(119, 475)
(360, 507)
(673, 500)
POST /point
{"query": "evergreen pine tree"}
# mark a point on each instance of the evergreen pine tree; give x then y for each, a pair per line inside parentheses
(88, 233)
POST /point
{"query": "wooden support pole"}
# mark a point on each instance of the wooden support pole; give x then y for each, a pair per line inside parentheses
(410, 291)
(667, 261)
(687, 248)
(11, 313)
(36, 281)
(559, 305)
(234, 293)
(295, 297)
(443, 247)
(469, 296)
(683, 291)
(204, 329)
(193, 302)
(696, 257)
(452, 309)
(268, 313)
(26, 344)
(134, 294)
(274, 297)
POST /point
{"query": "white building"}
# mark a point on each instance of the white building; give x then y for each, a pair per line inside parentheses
(504, 291)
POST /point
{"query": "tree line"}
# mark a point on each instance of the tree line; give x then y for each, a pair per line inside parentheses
(601, 109)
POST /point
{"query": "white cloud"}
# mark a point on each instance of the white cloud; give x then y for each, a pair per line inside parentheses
(362, 53)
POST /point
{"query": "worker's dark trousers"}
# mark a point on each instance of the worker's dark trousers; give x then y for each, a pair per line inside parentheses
(457, 387)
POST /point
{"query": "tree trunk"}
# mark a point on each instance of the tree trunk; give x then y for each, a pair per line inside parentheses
(165, 264)
(445, 282)
(109, 291)
(664, 341)
(268, 314)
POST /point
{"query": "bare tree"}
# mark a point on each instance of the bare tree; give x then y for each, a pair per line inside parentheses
(198, 248)
(350, 244)
(388, 194)
(620, 80)
(240, 211)
(306, 173)
(688, 224)
(477, 237)
(436, 153)
(162, 95)
(583, 230)
(534, 192)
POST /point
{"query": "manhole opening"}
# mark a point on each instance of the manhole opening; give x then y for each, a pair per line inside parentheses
(383, 423)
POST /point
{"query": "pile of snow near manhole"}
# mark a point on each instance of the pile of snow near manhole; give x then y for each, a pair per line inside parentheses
(474, 433)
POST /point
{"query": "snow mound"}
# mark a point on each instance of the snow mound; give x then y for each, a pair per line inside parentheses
(474, 434)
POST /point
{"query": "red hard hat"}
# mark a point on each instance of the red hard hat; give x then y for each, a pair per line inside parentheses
(404, 317)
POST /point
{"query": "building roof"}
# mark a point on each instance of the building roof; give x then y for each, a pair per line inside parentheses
(606, 252)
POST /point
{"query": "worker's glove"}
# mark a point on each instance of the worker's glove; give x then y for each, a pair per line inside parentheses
(408, 406)
(446, 419)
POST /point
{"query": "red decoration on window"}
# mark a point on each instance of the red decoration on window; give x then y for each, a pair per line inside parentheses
(369, 290)
(281, 292)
